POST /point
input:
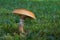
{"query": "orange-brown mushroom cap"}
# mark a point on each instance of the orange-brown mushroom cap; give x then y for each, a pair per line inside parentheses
(24, 12)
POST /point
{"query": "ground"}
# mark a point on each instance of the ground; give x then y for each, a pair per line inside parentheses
(45, 27)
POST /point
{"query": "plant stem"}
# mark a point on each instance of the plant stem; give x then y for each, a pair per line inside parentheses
(21, 24)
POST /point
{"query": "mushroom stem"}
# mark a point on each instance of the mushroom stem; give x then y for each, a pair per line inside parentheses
(21, 25)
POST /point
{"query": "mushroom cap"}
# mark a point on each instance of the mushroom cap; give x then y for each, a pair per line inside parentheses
(24, 12)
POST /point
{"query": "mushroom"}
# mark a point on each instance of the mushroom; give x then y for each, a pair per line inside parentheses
(24, 14)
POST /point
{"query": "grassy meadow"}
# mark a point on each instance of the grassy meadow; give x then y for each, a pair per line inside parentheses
(46, 26)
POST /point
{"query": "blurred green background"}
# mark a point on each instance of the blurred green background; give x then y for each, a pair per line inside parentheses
(45, 27)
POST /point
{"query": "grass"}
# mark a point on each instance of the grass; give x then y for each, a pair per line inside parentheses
(45, 27)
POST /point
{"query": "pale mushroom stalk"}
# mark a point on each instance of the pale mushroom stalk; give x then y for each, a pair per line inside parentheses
(21, 24)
